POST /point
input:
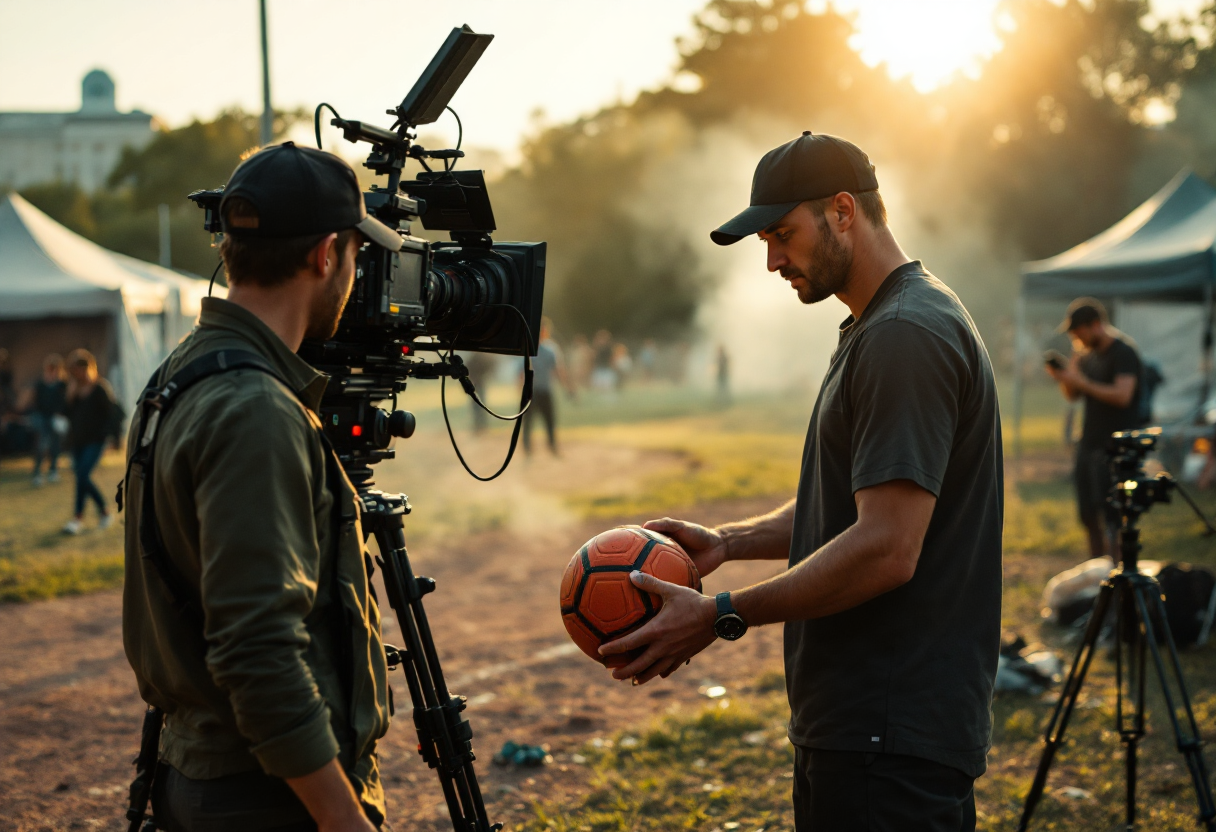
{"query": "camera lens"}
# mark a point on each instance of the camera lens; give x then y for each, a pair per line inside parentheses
(463, 294)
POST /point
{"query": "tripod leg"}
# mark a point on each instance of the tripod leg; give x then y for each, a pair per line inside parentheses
(1148, 596)
(1130, 634)
(445, 738)
(1053, 738)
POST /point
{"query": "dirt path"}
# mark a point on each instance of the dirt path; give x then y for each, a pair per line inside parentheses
(69, 713)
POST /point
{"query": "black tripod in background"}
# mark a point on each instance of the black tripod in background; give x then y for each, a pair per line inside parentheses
(445, 738)
(1139, 621)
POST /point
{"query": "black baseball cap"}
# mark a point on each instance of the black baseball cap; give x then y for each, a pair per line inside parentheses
(809, 167)
(1082, 312)
(299, 191)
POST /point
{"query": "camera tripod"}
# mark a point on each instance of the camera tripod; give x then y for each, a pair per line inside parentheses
(1140, 617)
(445, 738)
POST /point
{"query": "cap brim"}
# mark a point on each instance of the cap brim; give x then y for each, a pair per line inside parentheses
(754, 219)
(379, 233)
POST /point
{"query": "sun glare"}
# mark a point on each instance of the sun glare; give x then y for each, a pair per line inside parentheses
(925, 40)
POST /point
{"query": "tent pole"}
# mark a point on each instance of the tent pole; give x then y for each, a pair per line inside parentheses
(1206, 366)
(1019, 362)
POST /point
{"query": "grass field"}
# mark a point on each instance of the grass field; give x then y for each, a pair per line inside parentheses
(726, 767)
(36, 559)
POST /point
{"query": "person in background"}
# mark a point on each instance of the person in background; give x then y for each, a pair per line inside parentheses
(481, 370)
(603, 377)
(581, 358)
(94, 416)
(622, 365)
(547, 367)
(723, 363)
(648, 358)
(1104, 370)
(46, 402)
(8, 400)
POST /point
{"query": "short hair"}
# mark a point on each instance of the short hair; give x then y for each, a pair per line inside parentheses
(267, 261)
(870, 203)
(84, 359)
(1083, 312)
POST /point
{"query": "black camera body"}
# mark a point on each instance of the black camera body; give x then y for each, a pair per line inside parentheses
(469, 294)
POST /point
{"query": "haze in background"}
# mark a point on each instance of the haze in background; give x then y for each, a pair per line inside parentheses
(182, 60)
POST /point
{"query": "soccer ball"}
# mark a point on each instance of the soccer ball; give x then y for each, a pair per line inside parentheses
(599, 603)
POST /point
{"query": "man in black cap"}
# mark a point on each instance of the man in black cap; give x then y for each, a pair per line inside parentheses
(247, 613)
(892, 599)
(1105, 371)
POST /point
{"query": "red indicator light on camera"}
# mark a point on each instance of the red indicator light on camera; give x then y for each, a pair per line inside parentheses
(406, 350)
(356, 430)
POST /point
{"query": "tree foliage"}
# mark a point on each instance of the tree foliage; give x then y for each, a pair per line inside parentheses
(1052, 142)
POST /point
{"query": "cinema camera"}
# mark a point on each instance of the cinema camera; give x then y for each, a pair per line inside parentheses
(471, 293)
(427, 299)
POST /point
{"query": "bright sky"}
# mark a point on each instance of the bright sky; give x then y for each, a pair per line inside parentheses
(183, 58)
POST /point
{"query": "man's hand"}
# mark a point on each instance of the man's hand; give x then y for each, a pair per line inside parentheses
(682, 629)
(329, 798)
(706, 547)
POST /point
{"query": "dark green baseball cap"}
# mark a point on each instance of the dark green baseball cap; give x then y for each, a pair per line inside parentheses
(809, 167)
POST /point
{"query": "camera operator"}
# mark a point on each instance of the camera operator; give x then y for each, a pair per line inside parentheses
(892, 598)
(275, 688)
(1105, 371)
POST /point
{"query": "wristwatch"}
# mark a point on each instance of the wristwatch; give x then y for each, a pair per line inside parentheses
(728, 625)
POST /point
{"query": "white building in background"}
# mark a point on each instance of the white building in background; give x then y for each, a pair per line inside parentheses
(81, 147)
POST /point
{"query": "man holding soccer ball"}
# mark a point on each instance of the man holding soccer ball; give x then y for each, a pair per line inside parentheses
(892, 599)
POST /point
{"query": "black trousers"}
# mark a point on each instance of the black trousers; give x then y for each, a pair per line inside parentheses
(542, 406)
(847, 791)
(1091, 477)
(248, 802)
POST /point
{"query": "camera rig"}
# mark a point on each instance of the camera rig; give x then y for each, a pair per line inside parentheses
(423, 302)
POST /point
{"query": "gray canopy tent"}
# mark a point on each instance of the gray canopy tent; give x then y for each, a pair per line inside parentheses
(59, 291)
(1156, 270)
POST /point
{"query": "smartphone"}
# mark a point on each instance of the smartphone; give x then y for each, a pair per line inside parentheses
(1054, 360)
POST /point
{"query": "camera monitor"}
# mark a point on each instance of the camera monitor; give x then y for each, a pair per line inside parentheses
(455, 200)
(438, 83)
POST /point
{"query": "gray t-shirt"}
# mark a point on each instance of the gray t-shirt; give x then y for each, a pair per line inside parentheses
(544, 366)
(909, 395)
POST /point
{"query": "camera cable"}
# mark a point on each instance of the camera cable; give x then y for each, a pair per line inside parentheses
(525, 401)
(316, 120)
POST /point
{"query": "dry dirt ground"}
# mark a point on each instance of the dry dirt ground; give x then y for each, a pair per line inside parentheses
(70, 714)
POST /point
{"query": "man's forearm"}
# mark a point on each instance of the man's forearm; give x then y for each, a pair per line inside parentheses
(854, 567)
(766, 537)
(1118, 394)
(328, 796)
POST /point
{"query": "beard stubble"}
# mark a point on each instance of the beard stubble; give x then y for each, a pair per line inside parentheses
(829, 269)
(327, 308)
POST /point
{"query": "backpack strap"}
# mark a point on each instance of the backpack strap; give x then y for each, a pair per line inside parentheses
(154, 405)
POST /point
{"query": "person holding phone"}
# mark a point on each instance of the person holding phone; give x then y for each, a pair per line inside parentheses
(1104, 371)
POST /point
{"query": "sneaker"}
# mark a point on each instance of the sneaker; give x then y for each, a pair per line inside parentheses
(106, 521)
(37, 481)
(73, 526)
(53, 476)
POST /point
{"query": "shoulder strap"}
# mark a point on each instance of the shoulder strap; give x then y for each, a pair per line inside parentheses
(154, 405)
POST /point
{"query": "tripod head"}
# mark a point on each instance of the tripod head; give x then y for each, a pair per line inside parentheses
(1133, 492)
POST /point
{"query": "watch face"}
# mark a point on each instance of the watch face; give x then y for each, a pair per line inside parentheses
(730, 627)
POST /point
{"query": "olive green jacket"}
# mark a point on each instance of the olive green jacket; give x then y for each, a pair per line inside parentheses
(290, 670)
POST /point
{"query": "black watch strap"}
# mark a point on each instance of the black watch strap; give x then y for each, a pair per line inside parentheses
(729, 624)
(725, 607)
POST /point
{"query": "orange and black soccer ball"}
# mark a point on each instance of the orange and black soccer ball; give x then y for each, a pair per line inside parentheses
(600, 603)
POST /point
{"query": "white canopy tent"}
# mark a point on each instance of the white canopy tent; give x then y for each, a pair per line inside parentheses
(59, 291)
(1156, 270)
